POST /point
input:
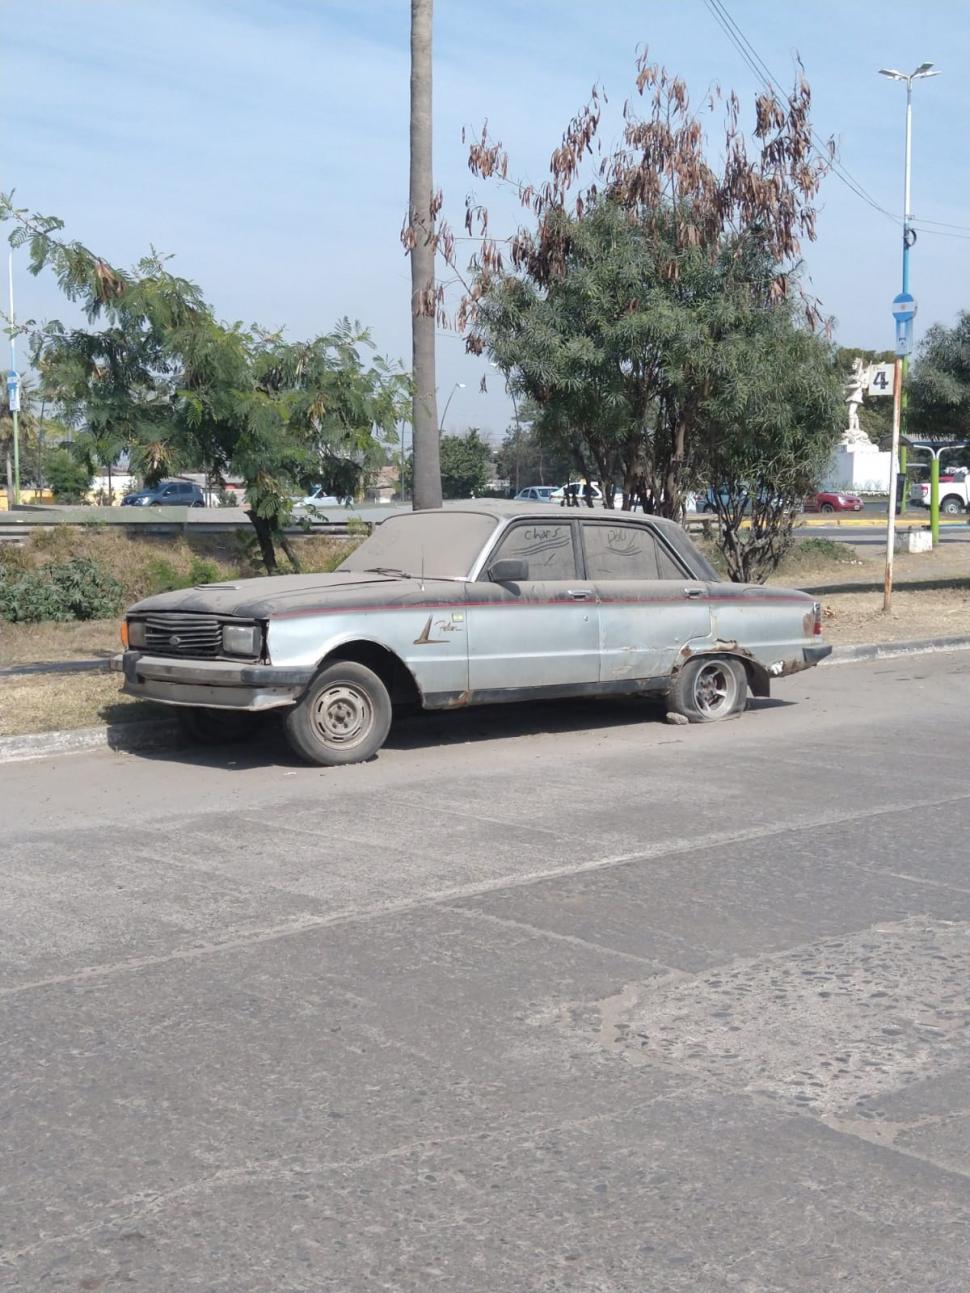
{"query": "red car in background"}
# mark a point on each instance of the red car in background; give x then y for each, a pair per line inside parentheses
(828, 500)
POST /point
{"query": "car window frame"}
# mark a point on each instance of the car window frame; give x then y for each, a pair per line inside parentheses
(490, 554)
(655, 533)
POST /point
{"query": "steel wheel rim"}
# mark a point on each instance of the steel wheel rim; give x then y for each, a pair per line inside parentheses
(715, 689)
(342, 715)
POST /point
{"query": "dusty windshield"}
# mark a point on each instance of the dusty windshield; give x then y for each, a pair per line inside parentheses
(435, 543)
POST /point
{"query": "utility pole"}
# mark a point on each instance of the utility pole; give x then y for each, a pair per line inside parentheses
(13, 390)
(909, 237)
(425, 439)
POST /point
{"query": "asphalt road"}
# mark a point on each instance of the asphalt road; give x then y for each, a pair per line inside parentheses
(549, 998)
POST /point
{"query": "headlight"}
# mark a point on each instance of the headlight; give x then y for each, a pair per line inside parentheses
(241, 639)
(136, 633)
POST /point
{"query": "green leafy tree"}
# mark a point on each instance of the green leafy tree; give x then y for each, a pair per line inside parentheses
(464, 464)
(772, 417)
(527, 457)
(68, 478)
(939, 392)
(179, 387)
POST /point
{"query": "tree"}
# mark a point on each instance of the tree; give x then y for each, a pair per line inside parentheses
(419, 240)
(768, 426)
(177, 385)
(526, 457)
(464, 464)
(939, 391)
(68, 478)
(616, 297)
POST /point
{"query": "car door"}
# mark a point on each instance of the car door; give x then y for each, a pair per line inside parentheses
(541, 632)
(650, 606)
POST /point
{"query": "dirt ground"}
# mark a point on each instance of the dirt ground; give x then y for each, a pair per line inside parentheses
(931, 593)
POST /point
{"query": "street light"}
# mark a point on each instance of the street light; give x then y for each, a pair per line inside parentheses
(458, 386)
(899, 385)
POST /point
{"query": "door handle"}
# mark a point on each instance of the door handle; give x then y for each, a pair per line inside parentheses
(693, 592)
(580, 594)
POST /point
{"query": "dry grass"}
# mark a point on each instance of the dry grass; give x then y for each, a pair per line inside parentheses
(48, 641)
(55, 702)
(916, 613)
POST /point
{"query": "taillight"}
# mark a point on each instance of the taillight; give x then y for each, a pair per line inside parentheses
(817, 630)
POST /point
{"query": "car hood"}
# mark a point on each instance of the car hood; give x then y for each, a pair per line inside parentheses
(288, 594)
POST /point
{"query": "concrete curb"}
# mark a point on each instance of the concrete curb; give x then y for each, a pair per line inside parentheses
(891, 650)
(152, 734)
(102, 663)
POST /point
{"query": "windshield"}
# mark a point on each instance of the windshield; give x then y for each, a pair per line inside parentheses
(434, 543)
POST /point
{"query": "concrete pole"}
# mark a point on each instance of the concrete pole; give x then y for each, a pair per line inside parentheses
(14, 414)
(887, 596)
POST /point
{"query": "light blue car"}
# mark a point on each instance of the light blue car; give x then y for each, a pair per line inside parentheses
(468, 606)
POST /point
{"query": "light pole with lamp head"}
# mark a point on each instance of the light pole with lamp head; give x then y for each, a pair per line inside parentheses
(909, 237)
(458, 386)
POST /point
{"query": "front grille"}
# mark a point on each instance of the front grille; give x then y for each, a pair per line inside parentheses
(172, 633)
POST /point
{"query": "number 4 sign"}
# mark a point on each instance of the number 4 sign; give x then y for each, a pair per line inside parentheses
(880, 380)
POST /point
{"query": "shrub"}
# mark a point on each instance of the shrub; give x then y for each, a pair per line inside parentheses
(68, 479)
(78, 589)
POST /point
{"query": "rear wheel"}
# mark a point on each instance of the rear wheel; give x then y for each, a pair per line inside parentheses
(215, 726)
(343, 717)
(708, 689)
(952, 505)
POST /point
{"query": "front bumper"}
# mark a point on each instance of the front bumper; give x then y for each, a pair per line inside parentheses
(216, 684)
(816, 654)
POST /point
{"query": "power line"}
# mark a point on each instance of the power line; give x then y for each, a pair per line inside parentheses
(756, 63)
(765, 75)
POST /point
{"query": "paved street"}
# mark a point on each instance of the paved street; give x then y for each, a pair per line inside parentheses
(546, 998)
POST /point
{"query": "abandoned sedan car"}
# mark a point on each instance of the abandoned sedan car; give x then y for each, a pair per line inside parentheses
(486, 602)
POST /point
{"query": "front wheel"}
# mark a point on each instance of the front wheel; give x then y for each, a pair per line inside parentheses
(343, 717)
(826, 507)
(708, 689)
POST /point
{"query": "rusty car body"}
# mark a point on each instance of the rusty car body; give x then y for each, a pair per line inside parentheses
(476, 604)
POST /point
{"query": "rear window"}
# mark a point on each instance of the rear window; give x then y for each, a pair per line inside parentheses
(435, 543)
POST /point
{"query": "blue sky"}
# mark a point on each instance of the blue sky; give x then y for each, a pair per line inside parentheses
(265, 141)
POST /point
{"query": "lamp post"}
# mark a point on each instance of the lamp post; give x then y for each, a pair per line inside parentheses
(458, 386)
(909, 237)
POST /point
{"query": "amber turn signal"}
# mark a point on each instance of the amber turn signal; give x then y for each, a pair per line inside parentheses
(124, 634)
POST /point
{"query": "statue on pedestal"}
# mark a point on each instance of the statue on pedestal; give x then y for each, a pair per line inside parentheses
(855, 388)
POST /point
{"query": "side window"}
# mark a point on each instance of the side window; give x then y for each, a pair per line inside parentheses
(547, 548)
(626, 552)
(667, 567)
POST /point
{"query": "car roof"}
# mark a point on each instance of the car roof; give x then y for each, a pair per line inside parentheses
(508, 509)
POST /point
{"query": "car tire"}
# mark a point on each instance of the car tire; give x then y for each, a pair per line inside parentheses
(708, 689)
(343, 717)
(951, 506)
(709, 509)
(198, 503)
(826, 507)
(203, 726)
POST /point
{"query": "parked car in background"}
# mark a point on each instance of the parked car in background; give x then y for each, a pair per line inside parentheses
(535, 494)
(318, 497)
(169, 493)
(468, 606)
(829, 500)
(579, 489)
